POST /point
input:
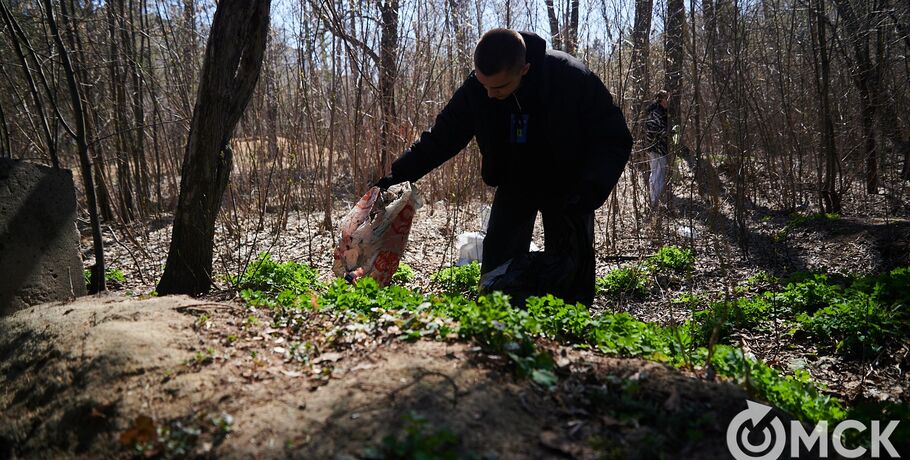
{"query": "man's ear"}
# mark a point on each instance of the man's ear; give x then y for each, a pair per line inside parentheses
(524, 70)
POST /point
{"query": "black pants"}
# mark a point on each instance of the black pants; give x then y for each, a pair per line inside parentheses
(565, 269)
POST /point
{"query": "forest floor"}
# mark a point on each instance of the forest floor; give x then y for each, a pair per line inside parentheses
(127, 374)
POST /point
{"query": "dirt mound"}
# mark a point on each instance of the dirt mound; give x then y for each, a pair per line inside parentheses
(177, 377)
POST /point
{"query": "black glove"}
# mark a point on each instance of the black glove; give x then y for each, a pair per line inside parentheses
(387, 182)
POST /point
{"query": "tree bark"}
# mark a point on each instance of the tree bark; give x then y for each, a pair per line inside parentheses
(641, 75)
(572, 29)
(388, 74)
(555, 36)
(866, 77)
(97, 280)
(233, 60)
(829, 196)
(564, 38)
(118, 85)
(676, 22)
(7, 151)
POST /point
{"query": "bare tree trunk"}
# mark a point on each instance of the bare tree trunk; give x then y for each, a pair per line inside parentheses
(388, 74)
(641, 75)
(118, 86)
(137, 130)
(457, 10)
(572, 29)
(867, 77)
(90, 103)
(555, 36)
(508, 14)
(676, 22)
(233, 60)
(7, 151)
(564, 38)
(828, 194)
(674, 41)
(97, 281)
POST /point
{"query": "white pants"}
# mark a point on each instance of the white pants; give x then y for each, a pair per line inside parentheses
(657, 180)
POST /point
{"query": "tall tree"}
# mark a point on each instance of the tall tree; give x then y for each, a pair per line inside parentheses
(388, 74)
(564, 37)
(829, 195)
(641, 75)
(676, 23)
(233, 60)
(79, 135)
(859, 23)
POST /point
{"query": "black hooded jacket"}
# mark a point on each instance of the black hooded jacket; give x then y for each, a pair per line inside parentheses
(577, 140)
(656, 128)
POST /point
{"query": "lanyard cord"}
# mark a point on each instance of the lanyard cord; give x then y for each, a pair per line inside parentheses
(516, 101)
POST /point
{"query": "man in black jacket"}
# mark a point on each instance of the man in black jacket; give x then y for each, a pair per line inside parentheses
(552, 140)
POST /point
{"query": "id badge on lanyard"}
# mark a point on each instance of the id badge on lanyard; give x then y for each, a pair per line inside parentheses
(518, 132)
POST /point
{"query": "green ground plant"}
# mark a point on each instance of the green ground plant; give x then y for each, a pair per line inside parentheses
(459, 280)
(672, 259)
(635, 281)
(852, 315)
(623, 282)
(403, 275)
(267, 275)
(498, 327)
(112, 274)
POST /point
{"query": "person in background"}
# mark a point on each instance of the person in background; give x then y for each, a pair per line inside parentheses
(552, 141)
(656, 137)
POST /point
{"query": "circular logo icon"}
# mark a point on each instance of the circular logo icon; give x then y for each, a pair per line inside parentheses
(755, 434)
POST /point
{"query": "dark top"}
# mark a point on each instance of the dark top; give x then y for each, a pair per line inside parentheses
(576, 145)
(656, 128)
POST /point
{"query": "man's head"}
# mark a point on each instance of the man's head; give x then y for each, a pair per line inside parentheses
(500, 60)
(663, 98)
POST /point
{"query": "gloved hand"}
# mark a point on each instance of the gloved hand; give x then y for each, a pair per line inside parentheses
(387, 182)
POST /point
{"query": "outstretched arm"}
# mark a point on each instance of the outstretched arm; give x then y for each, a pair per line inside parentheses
(451, 132)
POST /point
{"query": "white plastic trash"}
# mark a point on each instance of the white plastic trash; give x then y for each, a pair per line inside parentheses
(470, 247)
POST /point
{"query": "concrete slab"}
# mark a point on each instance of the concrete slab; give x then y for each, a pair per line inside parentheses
(39, 243)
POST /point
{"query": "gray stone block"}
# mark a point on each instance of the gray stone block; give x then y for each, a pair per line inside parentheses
(39, 243)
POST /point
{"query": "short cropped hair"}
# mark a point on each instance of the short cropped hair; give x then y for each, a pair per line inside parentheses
(498, 50)
(661, 95)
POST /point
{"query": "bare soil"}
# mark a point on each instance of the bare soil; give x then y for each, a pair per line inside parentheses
(93, 377)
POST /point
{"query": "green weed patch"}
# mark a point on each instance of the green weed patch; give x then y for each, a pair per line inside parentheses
(111, 275)
(403, 275)
(267, 275)
(500, 328)
(635, 281)
(631, 282)
(672, 258)
(851, 315)
(459, 280)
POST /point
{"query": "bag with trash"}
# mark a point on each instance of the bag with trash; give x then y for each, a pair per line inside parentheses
(532, 274)
(565, 269)
(375, 232)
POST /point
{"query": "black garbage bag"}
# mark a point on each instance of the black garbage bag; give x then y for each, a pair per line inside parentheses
(533, 274)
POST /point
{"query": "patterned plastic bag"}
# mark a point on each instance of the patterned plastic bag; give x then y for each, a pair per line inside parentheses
(375, 232)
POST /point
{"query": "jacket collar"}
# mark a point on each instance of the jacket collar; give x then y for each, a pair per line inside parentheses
(538, 77)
